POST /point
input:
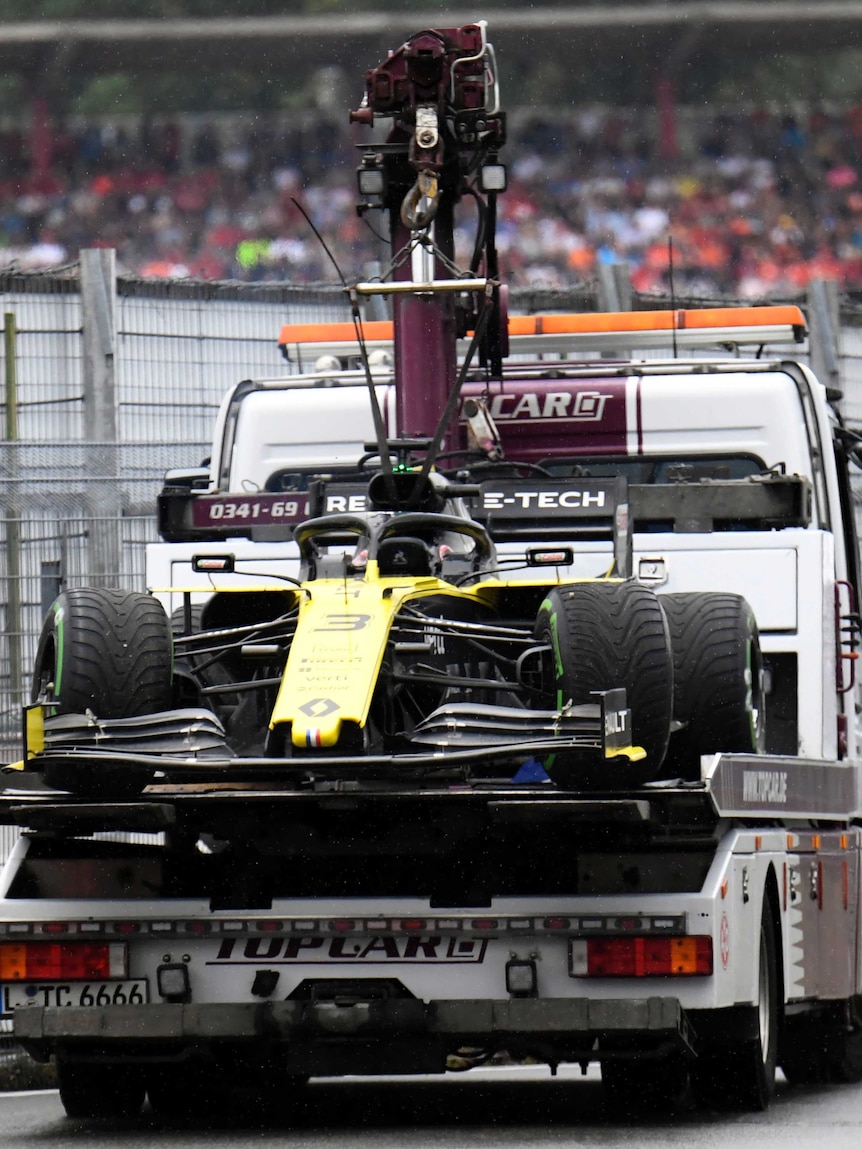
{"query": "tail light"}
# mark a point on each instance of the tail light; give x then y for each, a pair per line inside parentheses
(641, 957)
(62, 961)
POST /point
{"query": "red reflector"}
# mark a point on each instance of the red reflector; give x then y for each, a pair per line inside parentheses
(61, 961)
(127, 927)
(556, 923)
(197, 927)
(649, 957)
(342, 925)
(55, 928)
(269, 927)
(413, 923)
(484, 923)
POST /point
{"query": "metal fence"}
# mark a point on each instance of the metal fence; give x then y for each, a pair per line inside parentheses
(73, 509)
(76, 509)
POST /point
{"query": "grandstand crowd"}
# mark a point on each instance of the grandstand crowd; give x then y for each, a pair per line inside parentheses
(757, 202)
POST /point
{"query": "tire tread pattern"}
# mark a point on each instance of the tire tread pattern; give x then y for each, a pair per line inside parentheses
(709, 632)
(614, 634)
(116, 648)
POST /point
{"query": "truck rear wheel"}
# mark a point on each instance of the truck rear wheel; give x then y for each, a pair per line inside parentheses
(718, 673)
(741, 1075)
(110, 652)
(824, 1046)
(605, 635)
(99, 1089)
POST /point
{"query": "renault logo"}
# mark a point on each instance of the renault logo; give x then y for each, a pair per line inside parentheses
(318, 707)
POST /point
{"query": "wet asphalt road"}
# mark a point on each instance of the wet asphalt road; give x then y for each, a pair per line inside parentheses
(493, 1107)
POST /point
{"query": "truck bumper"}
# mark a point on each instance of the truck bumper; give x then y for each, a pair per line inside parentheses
(324, 1038)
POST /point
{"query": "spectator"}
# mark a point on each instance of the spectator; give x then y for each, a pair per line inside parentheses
(757, 204)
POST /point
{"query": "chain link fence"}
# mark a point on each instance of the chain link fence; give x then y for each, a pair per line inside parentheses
(75, 510)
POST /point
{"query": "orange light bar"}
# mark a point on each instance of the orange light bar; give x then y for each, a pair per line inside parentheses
(62, 961)
(377, 329)
(681, 320)
(591, 323)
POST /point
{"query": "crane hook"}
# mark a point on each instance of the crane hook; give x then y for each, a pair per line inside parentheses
(419, 206)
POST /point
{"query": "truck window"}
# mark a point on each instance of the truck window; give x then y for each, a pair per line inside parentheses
(285, 480)
(657, 470)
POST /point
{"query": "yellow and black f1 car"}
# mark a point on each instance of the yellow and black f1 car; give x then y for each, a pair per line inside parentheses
(405, 650)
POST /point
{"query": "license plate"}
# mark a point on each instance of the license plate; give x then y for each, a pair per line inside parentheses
(93, 994)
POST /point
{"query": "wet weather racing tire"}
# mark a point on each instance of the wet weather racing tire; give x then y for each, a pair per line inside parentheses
(606, 635)
(100, 1090)
(109, 652)
(718, 673)
(740, 1075)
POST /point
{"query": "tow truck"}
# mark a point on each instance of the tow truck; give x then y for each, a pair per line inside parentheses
(499, 703)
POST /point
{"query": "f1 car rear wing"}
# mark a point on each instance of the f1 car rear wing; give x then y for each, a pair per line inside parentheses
(571, 334)
(559, 511)
(532, 510)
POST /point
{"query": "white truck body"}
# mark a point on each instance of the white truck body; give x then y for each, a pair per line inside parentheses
(345, 931)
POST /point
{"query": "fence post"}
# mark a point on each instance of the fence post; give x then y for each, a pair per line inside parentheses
(615, 287)
(98, 292)
(14, 622)
(614, 294)
(50, 583)
(824, 320)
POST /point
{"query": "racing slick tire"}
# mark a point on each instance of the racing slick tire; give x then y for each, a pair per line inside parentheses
(718, 679)
(739, 1075)
(606, 635)
(110, 652)
(100, 1089)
